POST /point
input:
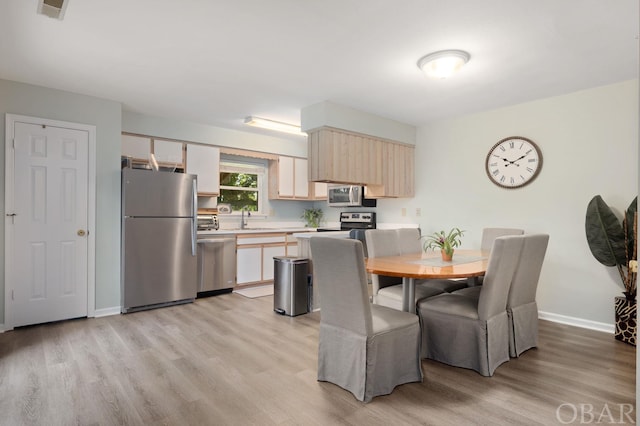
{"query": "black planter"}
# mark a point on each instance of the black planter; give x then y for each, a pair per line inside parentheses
(626, 320)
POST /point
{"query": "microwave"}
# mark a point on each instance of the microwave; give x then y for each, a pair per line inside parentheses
(348, 196)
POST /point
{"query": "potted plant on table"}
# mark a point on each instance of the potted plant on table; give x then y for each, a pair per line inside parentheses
(313, 217)
(613, 243)
(446, 242)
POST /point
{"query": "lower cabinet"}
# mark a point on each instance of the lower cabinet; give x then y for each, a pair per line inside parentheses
(255, 254)
(268, 252)
(248, 265)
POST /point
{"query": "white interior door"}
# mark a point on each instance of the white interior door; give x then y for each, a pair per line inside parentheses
(47, 223)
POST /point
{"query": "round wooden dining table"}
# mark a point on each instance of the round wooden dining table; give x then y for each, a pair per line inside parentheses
(469, 264)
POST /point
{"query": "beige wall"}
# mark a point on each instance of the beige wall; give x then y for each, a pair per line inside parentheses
(34, 101)
(589, 141)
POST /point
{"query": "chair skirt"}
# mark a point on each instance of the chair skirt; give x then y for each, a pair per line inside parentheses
(369, 367)
(465, 342)
(523, 328)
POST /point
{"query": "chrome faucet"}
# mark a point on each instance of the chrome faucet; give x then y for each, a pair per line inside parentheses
(244, 223)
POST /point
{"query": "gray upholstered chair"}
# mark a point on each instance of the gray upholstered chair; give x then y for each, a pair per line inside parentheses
(522, 308)
(490, 234)
(387, 291)
(468, 332)
(409, 240)
(363, 348)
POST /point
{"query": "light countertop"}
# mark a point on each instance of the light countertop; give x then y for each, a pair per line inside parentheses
(331, 234)
(221, 232)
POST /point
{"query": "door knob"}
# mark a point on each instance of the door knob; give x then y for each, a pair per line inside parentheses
(81, 232)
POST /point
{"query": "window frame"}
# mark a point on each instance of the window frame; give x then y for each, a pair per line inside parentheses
(249, 167)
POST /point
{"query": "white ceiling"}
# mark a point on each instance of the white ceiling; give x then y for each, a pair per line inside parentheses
(216, 61)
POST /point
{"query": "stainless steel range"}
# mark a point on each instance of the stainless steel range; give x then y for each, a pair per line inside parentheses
(357, 220)
(354, 220)
(356, 223)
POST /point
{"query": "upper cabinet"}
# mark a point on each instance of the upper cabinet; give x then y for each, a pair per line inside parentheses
(397, 173)
(385, 167)
(288, 179)
(204, 161)
(167, 153)
(170, 153)
(136, 147)
(318, 191)
(344, 157)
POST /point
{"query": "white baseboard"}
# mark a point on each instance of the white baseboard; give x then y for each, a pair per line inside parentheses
(114, 310)
(561, 319)
(577, 322)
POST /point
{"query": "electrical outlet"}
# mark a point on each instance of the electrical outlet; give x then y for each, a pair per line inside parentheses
(418, 211)
(404, 211)
(633, 265)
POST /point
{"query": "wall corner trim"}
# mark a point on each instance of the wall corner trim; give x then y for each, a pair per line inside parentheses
(105, 312)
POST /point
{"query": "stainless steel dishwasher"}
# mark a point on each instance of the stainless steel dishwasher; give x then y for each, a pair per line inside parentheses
(216, 265)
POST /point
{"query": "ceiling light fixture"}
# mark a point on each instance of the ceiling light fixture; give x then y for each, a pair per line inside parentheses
(273, 125)
(444, 63)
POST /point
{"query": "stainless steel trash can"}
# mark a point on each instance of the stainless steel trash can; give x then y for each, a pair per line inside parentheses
(290, 285)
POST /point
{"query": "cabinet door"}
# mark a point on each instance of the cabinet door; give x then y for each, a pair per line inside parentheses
(292, 249)
(268, 252)
(204, 161)
(168, 152)
(300, 178)
(341, 156)
(398, 173)
(248, 264)
(136, 147)
(319, 190)
(285, 177)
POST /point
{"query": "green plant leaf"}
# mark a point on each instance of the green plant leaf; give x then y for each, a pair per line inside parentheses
(604, 233)
(629, 217)
(313, 217)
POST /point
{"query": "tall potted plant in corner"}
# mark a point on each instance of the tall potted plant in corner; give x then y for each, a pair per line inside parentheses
(614, 244)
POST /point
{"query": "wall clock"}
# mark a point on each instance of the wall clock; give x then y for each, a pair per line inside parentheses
(513, 162)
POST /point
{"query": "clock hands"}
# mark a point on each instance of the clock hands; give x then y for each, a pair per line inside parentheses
(514, 161)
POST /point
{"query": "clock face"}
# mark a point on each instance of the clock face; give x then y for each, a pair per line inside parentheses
(513, 162)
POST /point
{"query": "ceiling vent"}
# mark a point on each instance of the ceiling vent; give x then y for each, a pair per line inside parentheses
(52, 8)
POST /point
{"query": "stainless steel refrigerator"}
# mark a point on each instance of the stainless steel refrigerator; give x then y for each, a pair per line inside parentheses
(159, 239)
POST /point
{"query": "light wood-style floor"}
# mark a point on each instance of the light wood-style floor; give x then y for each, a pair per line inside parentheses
(230, 360)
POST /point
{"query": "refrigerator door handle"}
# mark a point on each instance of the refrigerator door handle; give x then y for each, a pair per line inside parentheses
(194, 219)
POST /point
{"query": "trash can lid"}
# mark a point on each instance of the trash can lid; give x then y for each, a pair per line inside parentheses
(292, 259)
